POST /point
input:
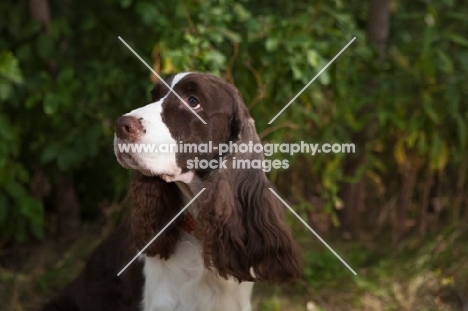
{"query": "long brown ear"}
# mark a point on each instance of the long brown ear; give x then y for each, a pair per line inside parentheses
(154, 203)
(240, 222)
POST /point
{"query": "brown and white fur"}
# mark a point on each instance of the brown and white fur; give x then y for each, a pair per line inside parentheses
(240, 236)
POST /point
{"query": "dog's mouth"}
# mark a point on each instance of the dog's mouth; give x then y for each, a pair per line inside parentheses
(147, 163)
(130, 161)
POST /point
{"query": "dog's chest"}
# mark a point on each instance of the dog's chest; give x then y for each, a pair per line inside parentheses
(183, 283)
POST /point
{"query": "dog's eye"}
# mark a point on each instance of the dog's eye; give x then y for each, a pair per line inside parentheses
(193, 102)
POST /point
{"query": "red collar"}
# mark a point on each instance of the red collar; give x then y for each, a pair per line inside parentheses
(189, 223)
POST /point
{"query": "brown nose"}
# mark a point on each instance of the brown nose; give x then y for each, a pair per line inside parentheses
(129, 128)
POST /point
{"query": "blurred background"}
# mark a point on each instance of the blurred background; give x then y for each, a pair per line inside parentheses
(396, 210)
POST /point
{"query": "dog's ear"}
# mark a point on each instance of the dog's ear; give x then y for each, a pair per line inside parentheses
(160, 89)
(240, 222)
(153, 203)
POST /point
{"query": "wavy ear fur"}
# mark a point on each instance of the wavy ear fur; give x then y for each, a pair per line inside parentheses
(154, 203)
(240, 222)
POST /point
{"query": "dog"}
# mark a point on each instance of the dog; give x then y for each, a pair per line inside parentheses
(232, 235)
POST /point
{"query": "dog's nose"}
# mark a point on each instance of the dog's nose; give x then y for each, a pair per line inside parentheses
(129, 128)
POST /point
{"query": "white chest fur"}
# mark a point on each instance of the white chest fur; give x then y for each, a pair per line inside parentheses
(183, 283)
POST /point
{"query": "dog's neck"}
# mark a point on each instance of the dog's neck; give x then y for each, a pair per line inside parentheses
(189, 188)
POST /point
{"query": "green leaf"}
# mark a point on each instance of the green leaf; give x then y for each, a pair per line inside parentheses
(445, 62)
(325, 78)
(15, 190)
(313, 58)
(125, 3)
(216, 57)
(50, 152)
(456, 38)
(26, 208)
(33, 211)
(297, 73)
(9, 67)
(6, 90)
(215, 36)
(271, 44)
(65, 76)
(242, 14)
(234, 37)
(51, 104)
(428, 107)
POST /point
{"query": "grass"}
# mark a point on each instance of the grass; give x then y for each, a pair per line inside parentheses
(419, 274)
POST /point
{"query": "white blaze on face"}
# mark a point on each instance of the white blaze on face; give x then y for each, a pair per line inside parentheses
(156, 137)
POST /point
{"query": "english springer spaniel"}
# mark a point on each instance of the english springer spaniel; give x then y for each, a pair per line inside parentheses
(233, 234)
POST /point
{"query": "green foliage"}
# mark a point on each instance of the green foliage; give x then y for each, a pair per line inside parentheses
(323, 267)
(20, 214)
(58, 117)
(270, 304)
(10, 73)
(61, 91)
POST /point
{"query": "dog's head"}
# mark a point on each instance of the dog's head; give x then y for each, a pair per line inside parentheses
(239, 222)
(147, 138)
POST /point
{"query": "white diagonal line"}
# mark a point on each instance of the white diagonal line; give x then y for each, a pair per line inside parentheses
(310, 82)
(160, 79)
(160, 232)
(312, 230)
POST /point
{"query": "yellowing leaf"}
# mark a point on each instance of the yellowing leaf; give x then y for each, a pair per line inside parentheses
(399, 152)
(156, 56)
(441, 158)
(167, 66)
